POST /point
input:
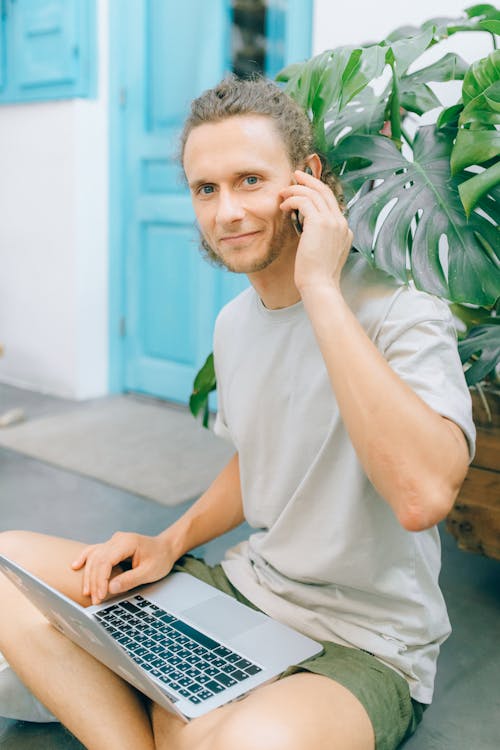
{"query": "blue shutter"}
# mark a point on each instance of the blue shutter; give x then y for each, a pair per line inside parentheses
(2, 45)
(49, 49)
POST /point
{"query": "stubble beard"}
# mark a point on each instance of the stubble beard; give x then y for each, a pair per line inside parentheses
(274, 250)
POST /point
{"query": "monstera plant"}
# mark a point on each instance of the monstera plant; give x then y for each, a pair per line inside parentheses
(423, 198)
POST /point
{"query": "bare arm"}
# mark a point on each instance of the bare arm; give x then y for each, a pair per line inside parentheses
(218, 510)
(415, 458)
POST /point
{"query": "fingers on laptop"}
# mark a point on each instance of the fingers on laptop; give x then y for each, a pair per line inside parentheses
(102, 563)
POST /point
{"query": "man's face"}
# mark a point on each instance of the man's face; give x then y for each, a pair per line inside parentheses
(235, 169)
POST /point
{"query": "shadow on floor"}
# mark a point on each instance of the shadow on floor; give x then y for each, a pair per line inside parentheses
(465, 714)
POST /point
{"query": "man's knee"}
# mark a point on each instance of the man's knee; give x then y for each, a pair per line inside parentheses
(12, 543)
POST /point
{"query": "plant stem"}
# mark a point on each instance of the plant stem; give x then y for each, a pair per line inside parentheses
(406, 136)
(395, 109)
(493, 37)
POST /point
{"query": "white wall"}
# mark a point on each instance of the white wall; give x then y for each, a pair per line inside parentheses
(53, 241)
(361, 21)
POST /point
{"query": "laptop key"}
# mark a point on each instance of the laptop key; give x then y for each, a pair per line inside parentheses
(220, 663)
(176, 675)
(242, 664)
(193, 672)
(233, 658)
(225, 679)
(174, 660)
(185, 682)
(253, 669)
(215, 687)
(239, 675)
(194, 659)
(212, 671)
(165, 617)
(201, 638)
(205, 695)
(203, 678)
(125, 641)
(222, 651)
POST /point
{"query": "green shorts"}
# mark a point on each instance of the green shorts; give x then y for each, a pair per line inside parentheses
(383, 693)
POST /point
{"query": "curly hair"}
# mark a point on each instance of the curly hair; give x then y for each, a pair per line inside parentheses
(258, 96)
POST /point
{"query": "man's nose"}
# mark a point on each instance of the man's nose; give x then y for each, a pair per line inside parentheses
(229, 207)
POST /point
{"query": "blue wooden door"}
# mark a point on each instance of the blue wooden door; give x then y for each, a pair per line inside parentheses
(165, 297)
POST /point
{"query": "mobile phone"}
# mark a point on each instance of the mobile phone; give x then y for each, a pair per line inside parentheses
(295, 216)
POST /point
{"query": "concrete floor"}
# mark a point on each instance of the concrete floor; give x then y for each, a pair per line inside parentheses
(465, 714)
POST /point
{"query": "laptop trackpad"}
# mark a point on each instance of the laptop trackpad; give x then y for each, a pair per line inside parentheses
(223, 617)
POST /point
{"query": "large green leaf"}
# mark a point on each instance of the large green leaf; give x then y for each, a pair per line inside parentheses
(439, 25)
(450, 67)
(425, 194)
(475, 20)
(450, 115)
(203, 385)
(327, 83)
(365, 65)
(477, 139)
(481, 350)
(472, 189)
(365, 113)
(482, 73)
(404, 51)
(474, 147)
(417, 97)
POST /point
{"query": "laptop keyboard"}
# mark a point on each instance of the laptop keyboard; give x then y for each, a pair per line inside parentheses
(184, 659)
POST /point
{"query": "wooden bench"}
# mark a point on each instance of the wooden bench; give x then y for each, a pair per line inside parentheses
(475, 518)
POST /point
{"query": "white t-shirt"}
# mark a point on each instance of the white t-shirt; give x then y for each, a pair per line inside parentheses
(329, 557)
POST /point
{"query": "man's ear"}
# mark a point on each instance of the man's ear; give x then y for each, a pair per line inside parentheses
(314, 163)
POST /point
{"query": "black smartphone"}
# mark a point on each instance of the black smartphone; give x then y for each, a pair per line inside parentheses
(295, 215)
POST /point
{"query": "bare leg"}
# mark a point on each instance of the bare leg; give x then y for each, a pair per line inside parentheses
(85, 695)
(301, 711)
(298, 712)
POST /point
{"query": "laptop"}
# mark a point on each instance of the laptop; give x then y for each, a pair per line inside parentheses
(183, 643)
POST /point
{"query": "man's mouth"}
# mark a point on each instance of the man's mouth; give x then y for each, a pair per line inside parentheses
(234, 238)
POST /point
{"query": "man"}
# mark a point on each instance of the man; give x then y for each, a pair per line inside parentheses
(344, 397)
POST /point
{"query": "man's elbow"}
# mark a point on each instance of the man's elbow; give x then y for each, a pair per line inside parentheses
(426, 509)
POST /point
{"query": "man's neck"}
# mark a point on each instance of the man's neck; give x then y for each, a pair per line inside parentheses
(275, 284)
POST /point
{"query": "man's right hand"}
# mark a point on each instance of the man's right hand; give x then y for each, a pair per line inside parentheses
(151, 558)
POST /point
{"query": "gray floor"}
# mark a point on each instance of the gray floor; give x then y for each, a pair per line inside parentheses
(465, 714)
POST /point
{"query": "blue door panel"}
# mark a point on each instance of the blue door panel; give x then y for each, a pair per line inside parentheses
(168, 331)
(186, 54)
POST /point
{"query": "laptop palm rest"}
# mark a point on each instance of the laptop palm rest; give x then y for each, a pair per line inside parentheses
(223, 616)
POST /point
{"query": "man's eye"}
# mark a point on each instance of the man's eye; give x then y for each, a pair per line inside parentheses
(251, 179)
(206, 189)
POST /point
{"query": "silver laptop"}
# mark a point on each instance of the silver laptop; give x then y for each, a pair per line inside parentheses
(182, 642)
